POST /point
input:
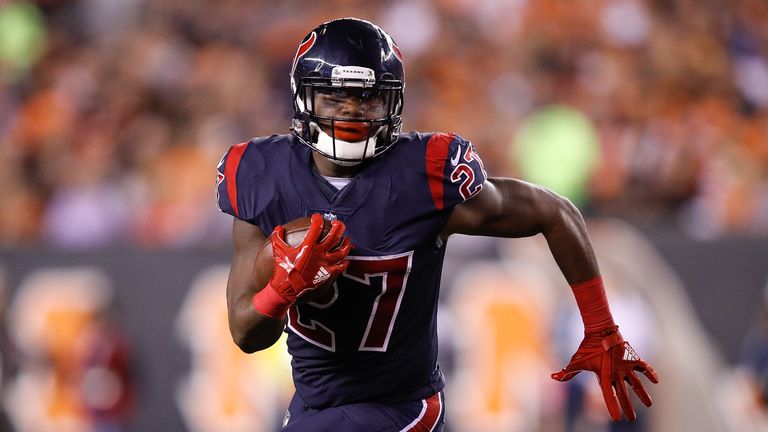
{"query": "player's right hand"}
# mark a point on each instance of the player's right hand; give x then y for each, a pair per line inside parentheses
(300, 270)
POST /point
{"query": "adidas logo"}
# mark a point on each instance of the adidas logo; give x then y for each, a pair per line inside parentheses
(630, 354)
(321, 276)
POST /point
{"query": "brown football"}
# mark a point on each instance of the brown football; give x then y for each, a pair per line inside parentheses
(295, 231)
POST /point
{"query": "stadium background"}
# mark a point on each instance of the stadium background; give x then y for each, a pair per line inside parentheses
(651, 115)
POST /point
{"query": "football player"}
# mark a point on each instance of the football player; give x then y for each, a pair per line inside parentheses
(364, 348)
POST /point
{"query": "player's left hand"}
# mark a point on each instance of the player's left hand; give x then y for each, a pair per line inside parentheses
(614, 361)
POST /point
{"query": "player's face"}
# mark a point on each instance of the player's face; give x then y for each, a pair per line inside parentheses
(348, 107)
(357, 104)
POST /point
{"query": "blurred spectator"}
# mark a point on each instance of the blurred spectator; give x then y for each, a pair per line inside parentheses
(74, 369)
(116, 112)
(554, 137)
(22, 39)
(107, 379)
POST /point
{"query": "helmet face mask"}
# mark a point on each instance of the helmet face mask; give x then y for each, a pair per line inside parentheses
(350, 102)
(347, 81)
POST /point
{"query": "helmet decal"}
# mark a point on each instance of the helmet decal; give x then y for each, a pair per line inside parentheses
(395, 49)
(303, 48)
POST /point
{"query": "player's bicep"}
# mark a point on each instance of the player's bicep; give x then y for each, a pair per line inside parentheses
(504, 207)
(246, 237)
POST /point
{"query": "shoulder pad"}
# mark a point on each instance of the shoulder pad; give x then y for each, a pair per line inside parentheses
(237, 180)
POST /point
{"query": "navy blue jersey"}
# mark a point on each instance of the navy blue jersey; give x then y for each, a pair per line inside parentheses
(374, 338)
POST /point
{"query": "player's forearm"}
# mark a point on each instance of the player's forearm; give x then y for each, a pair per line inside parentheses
(569, 242)
(250, 330)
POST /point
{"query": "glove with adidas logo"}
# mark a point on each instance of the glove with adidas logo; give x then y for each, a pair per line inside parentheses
(604, 352)
(614, 361)
(302, 269)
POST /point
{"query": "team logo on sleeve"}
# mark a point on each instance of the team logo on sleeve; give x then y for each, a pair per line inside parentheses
(219, 178)
(220, 171)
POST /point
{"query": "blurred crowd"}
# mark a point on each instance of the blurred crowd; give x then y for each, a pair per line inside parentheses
(114, 113)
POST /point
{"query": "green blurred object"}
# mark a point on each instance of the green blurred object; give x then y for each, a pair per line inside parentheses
(22, 38)
(556, 147)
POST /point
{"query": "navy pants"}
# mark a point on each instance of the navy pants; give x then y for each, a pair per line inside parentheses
(426, 415)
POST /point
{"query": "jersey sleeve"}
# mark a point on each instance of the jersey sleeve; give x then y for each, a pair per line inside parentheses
(237, 182)
(455, 171)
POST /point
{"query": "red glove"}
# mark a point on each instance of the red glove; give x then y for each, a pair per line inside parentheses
(614, 361)
(302, 269)
(604, 352)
